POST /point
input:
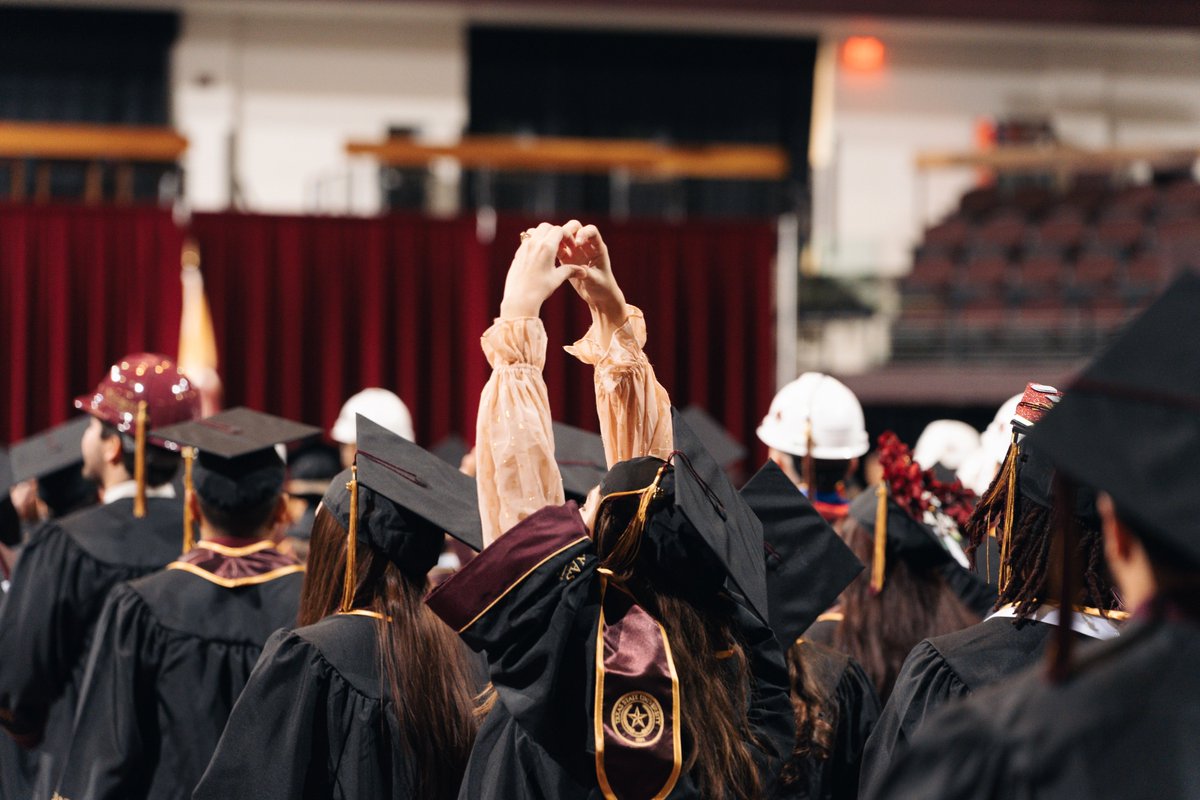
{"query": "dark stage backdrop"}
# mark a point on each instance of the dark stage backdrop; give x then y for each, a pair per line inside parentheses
(308, 310)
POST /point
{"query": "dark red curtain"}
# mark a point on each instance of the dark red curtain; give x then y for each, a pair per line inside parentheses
(706, 290)
(309, 310)
(79, 288)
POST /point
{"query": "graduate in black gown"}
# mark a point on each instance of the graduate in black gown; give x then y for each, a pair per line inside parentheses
(905, 595)
(637, 662)
(833, 700)
(310, 471)
(172, 650)
(1015, 635)
(70, 564)
(10, 522)
(1123, 718)
(53, 459)
(371, 696)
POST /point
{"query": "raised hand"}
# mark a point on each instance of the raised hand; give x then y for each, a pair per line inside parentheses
(533, 277)
(583, 247)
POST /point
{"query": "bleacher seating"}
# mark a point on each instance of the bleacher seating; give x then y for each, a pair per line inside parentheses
(1033, 273)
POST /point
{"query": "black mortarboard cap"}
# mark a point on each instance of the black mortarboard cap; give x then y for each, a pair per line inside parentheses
(581, 459)
(49, 451)
(907, 539)
(718, 441)
(310, 469)
(416, 481)
(1130, 424)
(451, 449)
(808, 565)
(236, 465)
(728, 526)
(1035, 481)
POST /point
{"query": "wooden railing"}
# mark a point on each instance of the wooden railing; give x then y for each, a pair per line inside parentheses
(542, 154)
(1058, 159)
(95, 145)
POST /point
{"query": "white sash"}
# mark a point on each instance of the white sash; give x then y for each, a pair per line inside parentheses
(1091, 625)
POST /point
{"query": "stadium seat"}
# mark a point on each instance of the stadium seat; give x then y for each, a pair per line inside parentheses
(1120, 235)
(1132, 201)
(932, 274)
(1061, 232)
(1096, 270)
(979, 202)
(1003, 233)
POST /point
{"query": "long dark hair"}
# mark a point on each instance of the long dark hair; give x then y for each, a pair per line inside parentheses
(815, 708)
(879, 630)
(1032, 559)
(423, 667)
(711, 662)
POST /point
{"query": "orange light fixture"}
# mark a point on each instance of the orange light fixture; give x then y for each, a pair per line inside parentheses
(863, 54)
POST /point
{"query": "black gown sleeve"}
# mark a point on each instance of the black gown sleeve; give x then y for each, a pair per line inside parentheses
(116, 721)
(519, 602)
(268, 749)
(770, 713)
(959, 755)
(925, 683)
(975, 593)
(43, 628)
(858, 713)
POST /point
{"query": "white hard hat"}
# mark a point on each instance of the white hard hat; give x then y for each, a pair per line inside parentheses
(378, 405)
(838, 430)
(949, 442)
(977, 472)
(998, 435)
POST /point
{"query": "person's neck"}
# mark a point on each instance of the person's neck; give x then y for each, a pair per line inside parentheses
(211, 534)
(114, 476)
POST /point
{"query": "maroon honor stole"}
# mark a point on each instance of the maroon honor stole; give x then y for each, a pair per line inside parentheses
(636, 712)
(232, 563)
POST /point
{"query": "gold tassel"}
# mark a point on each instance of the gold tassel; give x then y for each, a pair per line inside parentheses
(189, 533)
(810, 480)
(987, 554)
(139, 462)
(1007, 525)
(350, 580)
(620, 560)
(879, 559)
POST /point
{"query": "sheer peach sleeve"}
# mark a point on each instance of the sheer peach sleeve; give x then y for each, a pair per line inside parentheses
(634, 410)
(516, 474)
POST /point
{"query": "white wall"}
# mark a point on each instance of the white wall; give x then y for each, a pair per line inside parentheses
(289, 83)
(268, 99)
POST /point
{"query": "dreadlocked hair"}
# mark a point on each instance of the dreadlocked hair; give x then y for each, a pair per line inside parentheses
(1031, 560)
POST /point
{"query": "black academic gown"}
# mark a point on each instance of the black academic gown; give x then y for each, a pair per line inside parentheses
(531, 603)
(843, 685)
(313, 722)
(1125, 724)
(946, 668)
(974, 591)
(58, 590)
(17, 770)
(172, 652)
